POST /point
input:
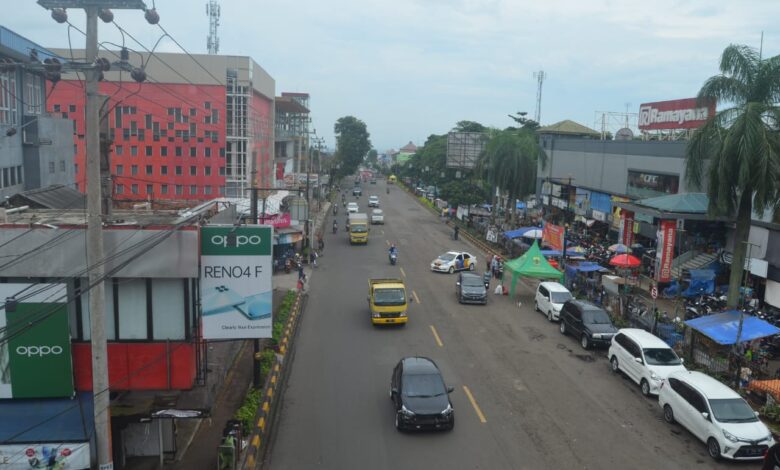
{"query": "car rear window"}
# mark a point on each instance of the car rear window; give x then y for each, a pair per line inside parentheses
(559, 297)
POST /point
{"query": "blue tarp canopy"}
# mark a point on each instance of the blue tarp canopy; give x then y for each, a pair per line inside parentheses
(722, 327)
(46, 420)
(586, 267)
(518, 232)
(520, 205)
(551, 253)
(702, 282)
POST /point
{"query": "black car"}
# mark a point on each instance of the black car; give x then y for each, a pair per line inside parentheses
(356, 191)
(420, 398)
(588, 322)
(470, 289)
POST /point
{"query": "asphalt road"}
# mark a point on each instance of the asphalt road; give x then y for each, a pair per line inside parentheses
(539, 400)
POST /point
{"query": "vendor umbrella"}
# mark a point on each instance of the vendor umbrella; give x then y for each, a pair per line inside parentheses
(619, 248)
(625, 261)
(533, 233)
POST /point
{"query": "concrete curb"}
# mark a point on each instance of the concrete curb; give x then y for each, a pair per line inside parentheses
(271, 388)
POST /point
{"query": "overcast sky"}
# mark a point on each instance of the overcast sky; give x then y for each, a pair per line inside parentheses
(411, 68)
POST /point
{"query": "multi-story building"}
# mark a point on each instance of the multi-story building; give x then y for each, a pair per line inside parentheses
(292, 134)
(199, 127)
(35, 147)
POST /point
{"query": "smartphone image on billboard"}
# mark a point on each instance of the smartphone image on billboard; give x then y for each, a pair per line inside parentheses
(258, 306)
(220, 299)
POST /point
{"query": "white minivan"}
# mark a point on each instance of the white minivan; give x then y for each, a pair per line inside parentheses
(644, 358)
(716, 415)
(550, 297)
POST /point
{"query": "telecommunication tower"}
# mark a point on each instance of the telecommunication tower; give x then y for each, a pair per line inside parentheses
(539, 76)
(212, 11)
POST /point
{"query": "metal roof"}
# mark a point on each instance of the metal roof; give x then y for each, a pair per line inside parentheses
(568, 127)
(692, 203)
(51, 197)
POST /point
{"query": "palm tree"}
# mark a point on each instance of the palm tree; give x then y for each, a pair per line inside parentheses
(509, 164)
(742, 145)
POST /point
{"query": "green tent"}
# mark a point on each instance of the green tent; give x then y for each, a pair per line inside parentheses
(531, 264)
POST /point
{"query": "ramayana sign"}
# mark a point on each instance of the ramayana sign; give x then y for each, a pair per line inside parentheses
(674, 114)
(235, 281)
(35, 355)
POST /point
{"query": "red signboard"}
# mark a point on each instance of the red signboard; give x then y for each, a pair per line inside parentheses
(675, 114)
(139, 366)
(665, 251)
(626, 227)
(552, 236)
(277, 220)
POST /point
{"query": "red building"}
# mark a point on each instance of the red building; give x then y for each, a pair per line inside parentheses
(184, 134)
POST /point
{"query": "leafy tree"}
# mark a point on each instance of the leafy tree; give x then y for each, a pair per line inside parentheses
(372, 156)
(509, 164)
(459, 192)
(742, 145)
(352, 144)
(469, 126)
(525, 123)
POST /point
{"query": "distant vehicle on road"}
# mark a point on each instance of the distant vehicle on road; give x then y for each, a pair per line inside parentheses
(588, 322)
(420, 397)
(452, 261)
(358, 228)
(373, 201)
(470, 289)
(352, 207)
(377, 216)
(373, 180)
(357, 191)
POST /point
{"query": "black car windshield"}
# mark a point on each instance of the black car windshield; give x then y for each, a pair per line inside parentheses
(387, 297)
(423, 385)
(732, 410)
(447, 257)
(472, 281)
(595, 317)
(559, 297)
(661, 357)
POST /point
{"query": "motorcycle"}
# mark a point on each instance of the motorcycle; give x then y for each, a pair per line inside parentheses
(335, 210)
(335, 228)
(393, 258)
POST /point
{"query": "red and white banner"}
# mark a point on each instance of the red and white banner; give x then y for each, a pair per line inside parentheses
(626, 228)
(674, 114)
(665, 250)
(552, 236)
(277, 220)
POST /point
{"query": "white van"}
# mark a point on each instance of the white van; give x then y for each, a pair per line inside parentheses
(644, 358)
(550, 297)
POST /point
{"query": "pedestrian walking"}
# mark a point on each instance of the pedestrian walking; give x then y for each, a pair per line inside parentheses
(455, 233)
(488, 260)
(321, 243)
(314, 257)
(301, 274)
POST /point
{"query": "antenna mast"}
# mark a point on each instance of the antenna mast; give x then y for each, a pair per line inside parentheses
(212, 11)
(539, 76)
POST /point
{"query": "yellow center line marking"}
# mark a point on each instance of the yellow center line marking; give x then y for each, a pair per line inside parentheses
(402, 272)
(436, 337)
(416, 299)
(474, 404)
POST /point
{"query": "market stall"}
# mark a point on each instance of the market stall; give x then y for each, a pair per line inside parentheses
(532, 264)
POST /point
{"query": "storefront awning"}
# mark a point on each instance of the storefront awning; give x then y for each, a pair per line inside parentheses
(46, 420)
(722, 327)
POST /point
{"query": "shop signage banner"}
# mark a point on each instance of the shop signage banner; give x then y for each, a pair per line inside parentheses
(35, 353)
(665, 252)
(277, 220)
(645, 184)
(600, 216)
(552, 236)
(626, 227)
(675, 114)
(63, 456)
(235, 281)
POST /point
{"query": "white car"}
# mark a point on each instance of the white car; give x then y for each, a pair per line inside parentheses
(550, 297)
(377, 216)
(352, 207)
(373, 201)
(715, 414)
(452, 261)
(644, 358)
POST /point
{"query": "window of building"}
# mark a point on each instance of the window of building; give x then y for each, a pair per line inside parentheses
(207, 171)
(7, 97)
(178, 151)
(134, 170)
(179, 189)
(222, 171)
(132, 313)
(134, 188)
(33, 93)
(193, 189)
(149, 189)
(148, 121)
(133, 150)
(193, 112)
(163, 151)
(163, 189)
(148, 150)
(71, 108)
(207, 190)
(119, 150)
(120, 170)
(168, 296)
(76, 168)
(120, 189)
(6, 178)
(118, 117)
(126, 134)
(193, 171)
(179, 171)
(62, 165)
(149, 170)
(51, 167)
(19, 174)
(164, 170)
(56, 108)
(133, 128)
(222, 190)
(141, 135)
(13, 177)
(193, 152)
(222, 152)
(207, 152)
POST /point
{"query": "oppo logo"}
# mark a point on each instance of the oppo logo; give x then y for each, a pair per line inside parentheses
(39, 351)
(235, 240)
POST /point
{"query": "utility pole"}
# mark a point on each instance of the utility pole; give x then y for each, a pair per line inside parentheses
(95, 212)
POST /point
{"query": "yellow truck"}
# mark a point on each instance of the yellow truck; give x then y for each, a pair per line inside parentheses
(358, 228)
(387, 301)
(391, 179)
